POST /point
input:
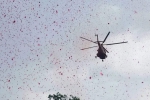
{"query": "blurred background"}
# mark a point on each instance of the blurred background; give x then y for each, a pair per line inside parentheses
(40, 49)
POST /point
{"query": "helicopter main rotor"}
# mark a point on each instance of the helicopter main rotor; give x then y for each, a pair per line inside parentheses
(102, 42)
(106, 37)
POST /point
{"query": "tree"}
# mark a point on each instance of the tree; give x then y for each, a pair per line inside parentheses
(59, 96)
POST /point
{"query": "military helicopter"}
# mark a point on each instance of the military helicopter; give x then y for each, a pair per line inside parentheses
(101, 50)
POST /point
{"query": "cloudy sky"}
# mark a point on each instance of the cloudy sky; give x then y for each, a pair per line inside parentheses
(40, 49)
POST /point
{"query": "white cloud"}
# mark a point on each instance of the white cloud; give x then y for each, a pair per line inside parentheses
(132, 57)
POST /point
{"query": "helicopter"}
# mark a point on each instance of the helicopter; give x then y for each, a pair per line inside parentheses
(101, 50)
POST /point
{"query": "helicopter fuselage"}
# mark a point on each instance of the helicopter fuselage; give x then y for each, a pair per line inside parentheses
(101, 52)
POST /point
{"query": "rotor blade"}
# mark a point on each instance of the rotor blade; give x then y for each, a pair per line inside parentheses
(115, 43)
(88, 40)
(98, 41)
(89, 47)
(106, 50)
(106, 37)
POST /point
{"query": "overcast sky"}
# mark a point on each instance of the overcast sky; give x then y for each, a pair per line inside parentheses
(40, 49)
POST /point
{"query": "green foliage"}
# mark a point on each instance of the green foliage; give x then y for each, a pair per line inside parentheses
(73, 98)
(59, 96)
